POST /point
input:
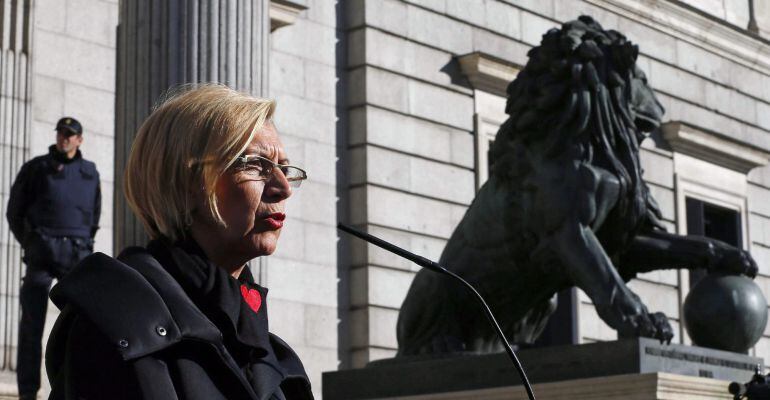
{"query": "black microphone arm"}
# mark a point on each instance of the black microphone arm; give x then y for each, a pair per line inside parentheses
(434, 266)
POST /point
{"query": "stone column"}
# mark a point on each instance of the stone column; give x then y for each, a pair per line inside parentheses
(15, 88)
(164, 43)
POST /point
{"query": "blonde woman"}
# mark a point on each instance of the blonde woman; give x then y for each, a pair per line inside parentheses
(183, 318)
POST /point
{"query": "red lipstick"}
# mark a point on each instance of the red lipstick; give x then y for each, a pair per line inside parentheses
(275, 220)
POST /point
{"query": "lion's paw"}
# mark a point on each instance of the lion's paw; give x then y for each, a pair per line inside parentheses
(736, 261)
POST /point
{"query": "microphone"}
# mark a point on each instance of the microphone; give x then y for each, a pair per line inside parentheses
(435, 267)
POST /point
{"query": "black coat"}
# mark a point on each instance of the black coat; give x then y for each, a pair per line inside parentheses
(129, 331)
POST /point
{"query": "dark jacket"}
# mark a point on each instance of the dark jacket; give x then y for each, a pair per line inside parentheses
(129, 331)
(55, 196)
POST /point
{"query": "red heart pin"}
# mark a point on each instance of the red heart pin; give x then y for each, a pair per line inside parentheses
(252, 297)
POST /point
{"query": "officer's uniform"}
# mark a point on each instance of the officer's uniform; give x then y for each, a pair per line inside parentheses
(53, 211)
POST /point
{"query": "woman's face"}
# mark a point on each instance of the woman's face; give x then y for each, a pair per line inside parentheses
(252, 208)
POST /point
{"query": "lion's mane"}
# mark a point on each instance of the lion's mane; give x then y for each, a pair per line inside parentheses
(575, 95)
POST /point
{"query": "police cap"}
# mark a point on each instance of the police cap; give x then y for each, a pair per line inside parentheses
(70, 125)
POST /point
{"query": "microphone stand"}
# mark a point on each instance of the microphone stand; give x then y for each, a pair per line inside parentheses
(434, 266)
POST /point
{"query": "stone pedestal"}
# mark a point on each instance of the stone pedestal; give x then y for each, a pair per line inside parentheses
(626, 369)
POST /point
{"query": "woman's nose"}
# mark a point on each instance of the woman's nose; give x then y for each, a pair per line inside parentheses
(278, 186)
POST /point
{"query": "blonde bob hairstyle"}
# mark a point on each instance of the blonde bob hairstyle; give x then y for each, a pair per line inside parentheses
(182, 148)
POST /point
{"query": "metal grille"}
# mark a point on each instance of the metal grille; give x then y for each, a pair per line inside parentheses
(15, 88)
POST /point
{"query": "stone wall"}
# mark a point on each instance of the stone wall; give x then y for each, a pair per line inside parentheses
(73, 74)
(302, 274)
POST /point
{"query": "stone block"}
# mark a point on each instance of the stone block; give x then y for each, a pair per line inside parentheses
(302, 282)
(287, 74)
(320, 83)
(416, 136)
(40, 137)
(762, 348)
(657, 297)
(89, 64)
(749, 81)
(374, 326)
(703, 62)
(737, 12)
(320, 160)
(433, 29)
(47, 100)
(319, 202)
(387, 287)
(666, 201)
(356, 87)
(410, 212)
(763, 114)
(533, 27)
(759, 229)
(320, 243)
(419, 176)
(409, 58)
(398, 93)
(658, 169)
(99, 149)
(591, 327)
(568, 11)
(439, 6)
(358, 205)
(759, 200)
(760, 176)
(324, 12)
(382, 327)
(103, 242)
(463, 150)
(652, 42)
(503, 19)
(48, 15)
(677, 82)
(729, 102)
(542, 7)
(305, 119)
(292, 242)
(94, 108)
(307, 39)
(359, 290)
(355, 13)
(761, 255)
(287, 320)
(386, 90)
(388, 15)
(666, 276)
(456, 108)
(426, 246)
(316, 361)
(469, 11)
(321, 327)
(108, 194)
(97, 25)
(499, 46)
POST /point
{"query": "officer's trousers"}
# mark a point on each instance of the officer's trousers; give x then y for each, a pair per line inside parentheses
(47, 258)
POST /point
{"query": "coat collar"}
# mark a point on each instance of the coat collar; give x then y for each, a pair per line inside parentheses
(143, 310)
(129, 310)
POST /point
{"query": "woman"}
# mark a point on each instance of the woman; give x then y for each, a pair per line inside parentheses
(183, 319)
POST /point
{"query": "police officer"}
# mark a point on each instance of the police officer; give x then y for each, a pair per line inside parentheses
(53, 211)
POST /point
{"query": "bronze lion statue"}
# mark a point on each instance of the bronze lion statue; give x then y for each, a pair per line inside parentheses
(565, 205)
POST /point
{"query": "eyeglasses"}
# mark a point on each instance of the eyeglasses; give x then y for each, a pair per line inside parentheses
(261, 167)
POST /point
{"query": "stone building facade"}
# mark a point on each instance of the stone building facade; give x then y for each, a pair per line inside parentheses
(390, 105)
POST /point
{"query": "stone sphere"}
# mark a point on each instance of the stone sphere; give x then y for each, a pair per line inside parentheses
(725, 312)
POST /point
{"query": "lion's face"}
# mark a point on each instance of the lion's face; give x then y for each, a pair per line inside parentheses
(645, 107)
